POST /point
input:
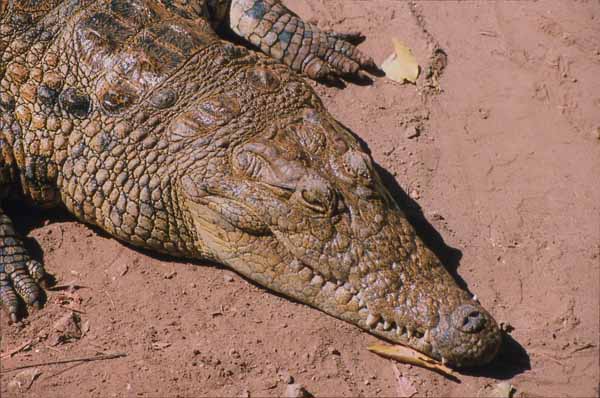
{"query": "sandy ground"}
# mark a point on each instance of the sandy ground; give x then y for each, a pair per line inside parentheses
(504, 171)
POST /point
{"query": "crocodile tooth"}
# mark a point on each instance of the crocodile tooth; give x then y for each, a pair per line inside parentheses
(361, 302)
(444, 361)
(387, 325)
(426, 346)
(372, 320)
(427, 336)
(409, 333)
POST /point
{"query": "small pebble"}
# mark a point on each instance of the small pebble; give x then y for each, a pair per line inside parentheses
(170, 275)
(22, 381)
(122, 269)
(296, 391)
(414, 194)
(437, 216)
(412, 132)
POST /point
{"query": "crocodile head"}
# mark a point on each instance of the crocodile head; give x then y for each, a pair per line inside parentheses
(301, 210)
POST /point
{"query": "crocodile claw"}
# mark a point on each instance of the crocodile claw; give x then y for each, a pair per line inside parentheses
(20, 276)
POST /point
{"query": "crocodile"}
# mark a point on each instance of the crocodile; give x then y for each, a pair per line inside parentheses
(187, 127)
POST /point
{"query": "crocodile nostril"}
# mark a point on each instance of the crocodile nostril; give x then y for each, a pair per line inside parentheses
(469, 319)
(473, 322)
(316, 193)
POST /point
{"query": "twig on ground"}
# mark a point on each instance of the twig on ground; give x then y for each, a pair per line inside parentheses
(72, 309)
(85, 359)
(585, 347)
(20, 348)
(488, 33)
(110, 298)
(67, 286)
(63, 371)
(53, 349)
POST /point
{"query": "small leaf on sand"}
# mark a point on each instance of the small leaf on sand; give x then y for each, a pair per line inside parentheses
(408, 355)
(23, 380)
(402, 65)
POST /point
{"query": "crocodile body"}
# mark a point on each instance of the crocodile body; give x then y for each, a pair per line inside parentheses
(139, 119)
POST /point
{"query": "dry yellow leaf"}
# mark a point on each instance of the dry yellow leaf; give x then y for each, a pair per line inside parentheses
(408, 355)
(401, 65)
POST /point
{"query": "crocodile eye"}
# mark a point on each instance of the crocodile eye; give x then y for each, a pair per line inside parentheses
(248, 163)
(314, 202)
(317, 194)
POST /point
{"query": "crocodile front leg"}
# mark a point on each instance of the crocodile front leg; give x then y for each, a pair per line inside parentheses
(280, 33)
(19, 273)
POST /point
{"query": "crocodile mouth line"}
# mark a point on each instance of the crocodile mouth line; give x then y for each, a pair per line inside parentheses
(389, 329)
(344, 293)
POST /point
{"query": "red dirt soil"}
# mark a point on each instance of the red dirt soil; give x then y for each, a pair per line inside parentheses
(503, 174)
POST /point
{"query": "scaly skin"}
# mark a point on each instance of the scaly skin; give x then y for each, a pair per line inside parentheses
(139, 119)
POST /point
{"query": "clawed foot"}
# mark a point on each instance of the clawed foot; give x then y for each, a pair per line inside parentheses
(318, 54)
(337, 56)
(20, 280)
